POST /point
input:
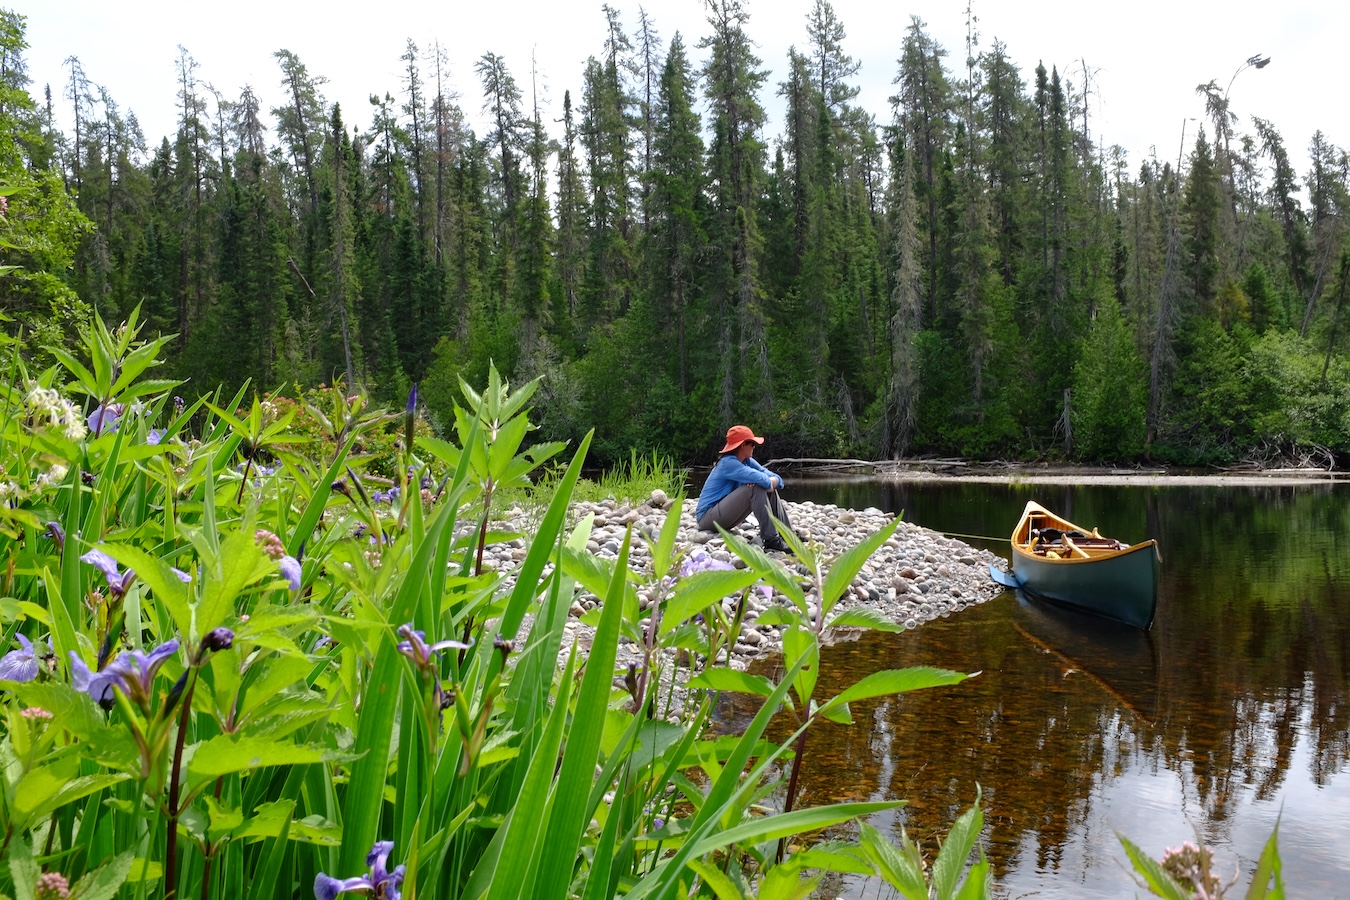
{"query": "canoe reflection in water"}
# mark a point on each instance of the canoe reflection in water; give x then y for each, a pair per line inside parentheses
(1122, 661)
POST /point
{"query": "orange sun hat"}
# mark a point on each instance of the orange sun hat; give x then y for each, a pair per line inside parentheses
(737, 435)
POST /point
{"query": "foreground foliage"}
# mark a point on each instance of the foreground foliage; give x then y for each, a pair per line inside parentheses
(232, 668)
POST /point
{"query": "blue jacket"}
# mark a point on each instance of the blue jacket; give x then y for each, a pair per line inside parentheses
(729, 474)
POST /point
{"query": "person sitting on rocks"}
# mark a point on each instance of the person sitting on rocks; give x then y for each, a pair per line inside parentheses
(738, 486)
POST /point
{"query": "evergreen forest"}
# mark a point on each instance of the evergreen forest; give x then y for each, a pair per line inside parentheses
(965, 273)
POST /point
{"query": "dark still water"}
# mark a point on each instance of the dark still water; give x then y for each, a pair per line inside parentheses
(1233, 712)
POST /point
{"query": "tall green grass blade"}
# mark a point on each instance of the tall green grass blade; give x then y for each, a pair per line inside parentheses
(72, 582)
(661, 880)
(563, 838)
(542, 548)
(374, 737)
(514, 867)
(314, 509)
(105, 485)
(63, 627)
(602, 863)
(1268, 867)
(273, 854)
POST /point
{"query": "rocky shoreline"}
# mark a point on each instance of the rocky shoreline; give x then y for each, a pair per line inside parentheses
(917, 574)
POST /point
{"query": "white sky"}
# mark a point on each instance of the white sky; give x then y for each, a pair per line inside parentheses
(1145, 59)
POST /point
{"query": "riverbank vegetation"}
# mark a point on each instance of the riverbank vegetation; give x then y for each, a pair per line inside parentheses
(234, 668)
(967, 273)
(237, 662)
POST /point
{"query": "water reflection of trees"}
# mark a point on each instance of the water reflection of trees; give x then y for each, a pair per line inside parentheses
(1254, 583)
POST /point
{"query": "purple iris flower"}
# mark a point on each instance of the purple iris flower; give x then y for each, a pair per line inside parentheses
(180, 575)
(700, 561)
(133, 672)
(380, 883)
(290, 567)
(414, 646)
(118, 582)
(19, 665)
(104, 418)
(98, 685)
(154, 436)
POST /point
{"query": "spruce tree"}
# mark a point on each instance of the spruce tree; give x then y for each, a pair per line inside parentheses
(736, 165)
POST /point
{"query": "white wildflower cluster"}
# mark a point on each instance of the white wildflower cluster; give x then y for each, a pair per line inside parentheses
(52, 477)
(46, 408)
(45, 412)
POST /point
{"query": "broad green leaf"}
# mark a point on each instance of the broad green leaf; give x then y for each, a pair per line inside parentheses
(242, 564)
(802, 644)
(848, 565)
(223, 755)
(778, 615)
(833, 856)
(274, 820)
(785, 882)
(840, 714)
(662, 551)
(76, 712)
(771, 828)
(977, 883)
(1155, 877)
(900, 867)
(168, 588)
(104, 882)
(897, 681)
(590, 571)
(723, 887)
(864, 618)
(45, 789)
(781, 578)
(144, 870)
(223, 819)
(279, 673)
(23, 868)
(696, 592)
(951, 860)
(730, 680)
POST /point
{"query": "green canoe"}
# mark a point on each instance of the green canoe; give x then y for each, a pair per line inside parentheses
(1057, 560)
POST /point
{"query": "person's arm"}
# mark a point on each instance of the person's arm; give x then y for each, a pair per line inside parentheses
(775, 481)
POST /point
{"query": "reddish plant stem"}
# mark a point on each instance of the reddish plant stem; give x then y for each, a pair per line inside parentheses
(792, 788)
(171, 840)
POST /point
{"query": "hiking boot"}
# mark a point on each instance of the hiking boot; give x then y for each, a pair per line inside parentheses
(775, 545)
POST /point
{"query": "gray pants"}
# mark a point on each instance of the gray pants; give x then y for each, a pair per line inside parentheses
(733, 509)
